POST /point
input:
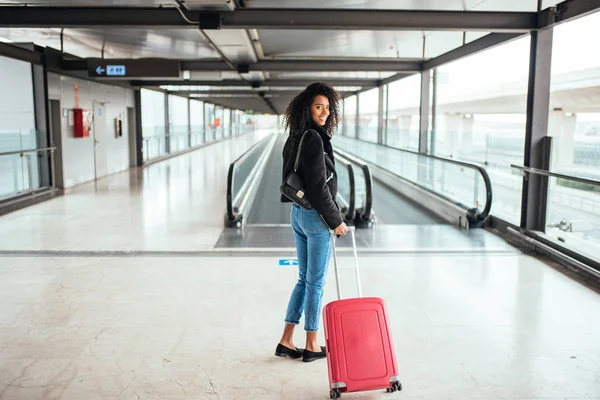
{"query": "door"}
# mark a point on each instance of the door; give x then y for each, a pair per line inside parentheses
(100, 140)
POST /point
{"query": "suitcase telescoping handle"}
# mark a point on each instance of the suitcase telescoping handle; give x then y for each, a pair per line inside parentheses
(337, 275)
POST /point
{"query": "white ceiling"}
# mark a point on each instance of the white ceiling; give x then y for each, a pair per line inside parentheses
(238, 47)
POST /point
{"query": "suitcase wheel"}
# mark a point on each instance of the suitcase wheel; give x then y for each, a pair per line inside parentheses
(396, 386)
(335, 394)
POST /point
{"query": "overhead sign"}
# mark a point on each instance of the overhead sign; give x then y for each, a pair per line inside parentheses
(133, 68)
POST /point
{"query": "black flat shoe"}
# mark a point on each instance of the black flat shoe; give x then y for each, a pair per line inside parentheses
(282, 351)
(310, 356)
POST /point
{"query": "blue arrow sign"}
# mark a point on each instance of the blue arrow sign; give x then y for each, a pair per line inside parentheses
(100, 70)
(288, 262)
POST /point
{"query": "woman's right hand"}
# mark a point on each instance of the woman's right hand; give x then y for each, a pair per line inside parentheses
(341, 230)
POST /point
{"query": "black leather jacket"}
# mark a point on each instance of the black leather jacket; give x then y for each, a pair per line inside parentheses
(317, 169)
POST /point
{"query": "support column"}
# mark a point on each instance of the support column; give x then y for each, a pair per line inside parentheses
(45, 163)
(167, 125)
(356, 118)
(139, 136)
(537, 155)
(203, 122)
(433, 113)
(424, 111)
(189, 121)
(380, 111)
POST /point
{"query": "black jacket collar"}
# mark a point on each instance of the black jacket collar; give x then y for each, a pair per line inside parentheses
(326, 138)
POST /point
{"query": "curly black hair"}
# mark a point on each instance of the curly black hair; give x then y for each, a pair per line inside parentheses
(297, 116)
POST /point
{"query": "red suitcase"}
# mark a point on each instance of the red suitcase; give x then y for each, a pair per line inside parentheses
(359, 345)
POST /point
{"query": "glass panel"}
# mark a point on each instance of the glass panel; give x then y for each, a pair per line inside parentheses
(404, 102)
(460, 184)
(247, 123)
(218, 123)
(368, 103)
(197, 122)
(350, 116)
(153, 123)
(11, 178)
(574, 124)
(19, 172)
(481, 115)
(574, 215)
(227, 123)
(210, 122)
(178, 123)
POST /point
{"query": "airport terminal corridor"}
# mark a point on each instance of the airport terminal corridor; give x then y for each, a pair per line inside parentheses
(145, 253)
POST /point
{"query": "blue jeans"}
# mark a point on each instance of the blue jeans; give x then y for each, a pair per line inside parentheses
(313, 245)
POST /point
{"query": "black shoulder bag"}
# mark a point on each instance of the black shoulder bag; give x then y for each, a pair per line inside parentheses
(293, 185)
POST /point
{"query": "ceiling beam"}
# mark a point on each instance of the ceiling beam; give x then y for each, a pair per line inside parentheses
(234, 92)
(265, 83)
(302, 65)
(268, 82)
(267, 18)
(371, 65)
(394, 78)
(19, 53)
(484, 43)
(566, 11)
(361, 19)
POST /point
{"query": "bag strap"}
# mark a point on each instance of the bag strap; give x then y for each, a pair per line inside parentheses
(298, 152)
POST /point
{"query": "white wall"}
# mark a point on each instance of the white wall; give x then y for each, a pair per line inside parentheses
(78, 153)
(16, 96)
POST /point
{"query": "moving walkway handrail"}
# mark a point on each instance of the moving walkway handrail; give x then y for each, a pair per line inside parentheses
(230, 177)
(9, 153)
(477, 216)
(366, 215)
(486, 179)
(352, 195)
(543, 172)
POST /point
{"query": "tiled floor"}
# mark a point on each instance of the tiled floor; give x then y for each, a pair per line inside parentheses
(465, 327)
(178, 204)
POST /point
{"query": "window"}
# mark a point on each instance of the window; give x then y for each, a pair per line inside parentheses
(573, 213)
(481, 116)
(404, 101)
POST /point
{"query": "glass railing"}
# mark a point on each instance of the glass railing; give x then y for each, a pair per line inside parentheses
(197, 137)
(154, 147)
(239, 182)
(573, 211)
(463, 184)
(21, 171)
(210, 134)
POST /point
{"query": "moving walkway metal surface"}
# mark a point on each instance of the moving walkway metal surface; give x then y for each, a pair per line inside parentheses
(267, 209)
(254, 180)
(392, 208)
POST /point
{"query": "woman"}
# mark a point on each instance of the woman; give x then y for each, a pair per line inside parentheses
(316, 112)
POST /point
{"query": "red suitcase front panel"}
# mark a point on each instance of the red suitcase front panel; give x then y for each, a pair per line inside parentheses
(362, 354)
